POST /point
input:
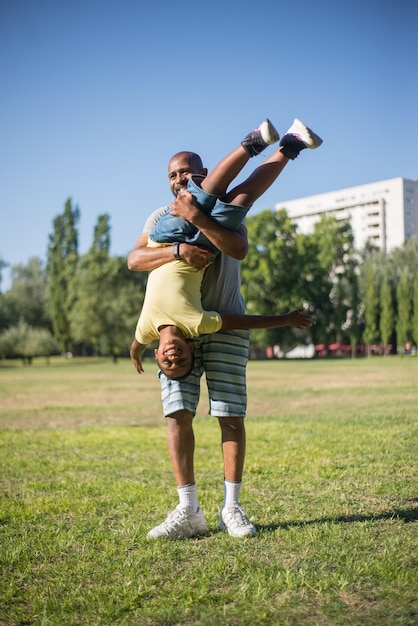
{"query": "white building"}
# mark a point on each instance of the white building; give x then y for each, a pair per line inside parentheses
(384, 213)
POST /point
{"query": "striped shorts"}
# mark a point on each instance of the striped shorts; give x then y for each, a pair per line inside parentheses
(223, 358)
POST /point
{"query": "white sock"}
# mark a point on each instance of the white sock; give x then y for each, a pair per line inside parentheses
(231, 493)
(188, 497)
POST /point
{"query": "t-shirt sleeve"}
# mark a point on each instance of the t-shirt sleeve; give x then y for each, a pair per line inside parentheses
(210, 323)
(153, 219)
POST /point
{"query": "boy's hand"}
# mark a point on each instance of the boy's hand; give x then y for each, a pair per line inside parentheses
(300, 319)
(136, 355)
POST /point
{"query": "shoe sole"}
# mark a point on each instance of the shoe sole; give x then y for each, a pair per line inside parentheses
(268, 132)
(200, 533)
(313, 140)
(223, 526)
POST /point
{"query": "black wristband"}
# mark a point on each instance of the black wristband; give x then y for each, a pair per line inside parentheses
(176, 251)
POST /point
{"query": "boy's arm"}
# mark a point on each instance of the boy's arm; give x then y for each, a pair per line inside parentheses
(297, 319)
(233, 243)
(136, 352)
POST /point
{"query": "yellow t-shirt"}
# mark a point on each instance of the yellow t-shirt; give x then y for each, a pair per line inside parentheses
(173, 298)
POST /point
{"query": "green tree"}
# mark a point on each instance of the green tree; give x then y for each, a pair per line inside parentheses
(108, 299)
(25, 342)
(3, 265)
(403, 296)
(328, 267)
(27, 297)
(270, 273)
(371, 306)
(415, 310)
(387, 317)
(61, 269)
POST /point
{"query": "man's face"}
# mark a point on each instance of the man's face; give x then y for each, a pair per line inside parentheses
(180, 168)
(174, 357)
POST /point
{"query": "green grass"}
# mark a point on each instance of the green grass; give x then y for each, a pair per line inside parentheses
(330, 482)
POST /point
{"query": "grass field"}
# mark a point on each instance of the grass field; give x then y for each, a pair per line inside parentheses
(331, 482)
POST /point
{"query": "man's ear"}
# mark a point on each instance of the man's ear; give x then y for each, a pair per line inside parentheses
(155, 354)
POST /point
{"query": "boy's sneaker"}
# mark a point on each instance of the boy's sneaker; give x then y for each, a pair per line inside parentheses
(257, 140)
(297, 138)
(180, 524)
(234, 520)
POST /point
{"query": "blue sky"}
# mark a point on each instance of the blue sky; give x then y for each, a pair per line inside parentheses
(97, 95)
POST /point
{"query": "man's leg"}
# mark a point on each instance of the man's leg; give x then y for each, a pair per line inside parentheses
(233, 518)
(186, 520)
(233, 447)
(225, 357)
(181, 444)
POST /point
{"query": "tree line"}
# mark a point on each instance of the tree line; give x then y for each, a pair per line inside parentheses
(88, 304)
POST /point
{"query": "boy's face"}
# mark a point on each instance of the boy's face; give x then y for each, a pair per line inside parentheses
(175, 357)
(180, 168)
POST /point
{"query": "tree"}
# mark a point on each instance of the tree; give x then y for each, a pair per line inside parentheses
(403, 296)
(387, 317)
(105, 311)
(270, 272)
(415, 311)
(371, 306)
(328, 266)
(3, 264)
(61, 269)
(25, 342)
(27, 297)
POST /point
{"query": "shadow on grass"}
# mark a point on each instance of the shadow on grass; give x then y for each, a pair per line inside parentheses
(406, 515)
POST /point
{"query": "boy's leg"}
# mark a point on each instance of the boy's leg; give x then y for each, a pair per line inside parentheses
(219, 179)
(297, 138)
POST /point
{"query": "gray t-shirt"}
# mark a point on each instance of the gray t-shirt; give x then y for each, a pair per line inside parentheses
(221, 282)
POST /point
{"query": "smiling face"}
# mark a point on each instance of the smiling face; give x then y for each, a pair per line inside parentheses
(175, 357)
(181, 167)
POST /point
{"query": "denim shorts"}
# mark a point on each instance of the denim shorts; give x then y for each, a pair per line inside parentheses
(172, 229)
(223, 358)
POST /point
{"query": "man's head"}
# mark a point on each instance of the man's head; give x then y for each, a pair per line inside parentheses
(181, 167)
(175, 357)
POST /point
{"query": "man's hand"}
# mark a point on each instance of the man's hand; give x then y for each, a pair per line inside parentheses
(230, 242)
(186, 207)
(193, 255)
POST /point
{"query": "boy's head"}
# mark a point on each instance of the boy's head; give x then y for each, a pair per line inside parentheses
(175, 357)
(180, 167)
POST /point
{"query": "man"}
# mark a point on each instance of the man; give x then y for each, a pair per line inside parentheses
(222, 356)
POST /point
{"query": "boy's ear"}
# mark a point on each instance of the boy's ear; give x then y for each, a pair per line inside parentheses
(155, 354)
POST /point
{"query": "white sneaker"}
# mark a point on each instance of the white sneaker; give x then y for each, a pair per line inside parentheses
(257, 140)
(180, 524)
(305, 134)
(234, 520)
(297, 138)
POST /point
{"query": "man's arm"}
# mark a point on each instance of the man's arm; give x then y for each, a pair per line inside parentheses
(233, 243)
(297, 319)
(144, 259)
